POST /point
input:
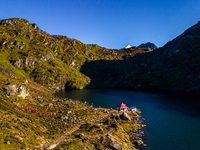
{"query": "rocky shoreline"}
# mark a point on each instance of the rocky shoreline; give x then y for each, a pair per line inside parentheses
(112, 121)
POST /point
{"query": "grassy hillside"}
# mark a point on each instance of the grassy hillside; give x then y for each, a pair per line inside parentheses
(50, 60)
(33, 65)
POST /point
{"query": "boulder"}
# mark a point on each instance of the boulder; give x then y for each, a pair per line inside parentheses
(139, 142)
(19, 119)
(46, 57)
(23, 92)
(12, 88)
(117, 117)
(125, 116)
(115, 145)
(34, 26)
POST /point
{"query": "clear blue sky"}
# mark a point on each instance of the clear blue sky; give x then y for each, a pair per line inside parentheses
(108, 23)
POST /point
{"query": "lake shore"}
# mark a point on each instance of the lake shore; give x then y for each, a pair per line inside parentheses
(120, 125)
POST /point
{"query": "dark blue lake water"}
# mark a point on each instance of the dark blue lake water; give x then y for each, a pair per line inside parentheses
(173, 121)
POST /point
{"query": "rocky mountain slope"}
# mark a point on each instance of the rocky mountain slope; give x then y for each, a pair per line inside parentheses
(174, 67)
(33, 64)
(50, 60)
(152, 46)
(58, 62)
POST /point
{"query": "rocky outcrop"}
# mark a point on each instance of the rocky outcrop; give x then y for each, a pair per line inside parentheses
(9, 22)
(31, 61)
(12, 89)
(23, 92)
(46, 57)
(23, 63)
(139, 142)
(19, 24)
(115, 145)
(125, 117)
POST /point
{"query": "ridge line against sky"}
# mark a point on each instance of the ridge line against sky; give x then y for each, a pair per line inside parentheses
(108, 23)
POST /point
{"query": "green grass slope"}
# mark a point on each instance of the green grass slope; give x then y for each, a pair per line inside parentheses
(51, 60)
(33, 64)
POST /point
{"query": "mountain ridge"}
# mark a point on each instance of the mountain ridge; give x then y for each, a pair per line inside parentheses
(34, 64)
(150, 45)
(59, 62)
(173, 67)
(29, 46)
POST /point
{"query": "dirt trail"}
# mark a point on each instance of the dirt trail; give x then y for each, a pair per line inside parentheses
(62, 138)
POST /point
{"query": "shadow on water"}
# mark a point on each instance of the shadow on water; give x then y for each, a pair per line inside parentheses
(113, 74)
(182, 103)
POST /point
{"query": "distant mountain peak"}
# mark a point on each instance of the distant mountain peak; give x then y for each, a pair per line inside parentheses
(128, 46)
(150, 45)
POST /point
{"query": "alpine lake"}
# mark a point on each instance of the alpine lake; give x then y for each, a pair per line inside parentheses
(172, 120)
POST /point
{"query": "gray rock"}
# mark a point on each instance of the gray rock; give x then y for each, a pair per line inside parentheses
(34, 26)
(31, 61)
(64, 117)
(26, 81)
(12, 132)
(8, 22)
(16, 43)
(23, 92)
(82, 136)
(115, 145)
(117, 117)
(12, 88)
(23, 63)
(30, 36)
(139, 142)
(73, 43)
(125, 116)
(46, 57)
(19, 119)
